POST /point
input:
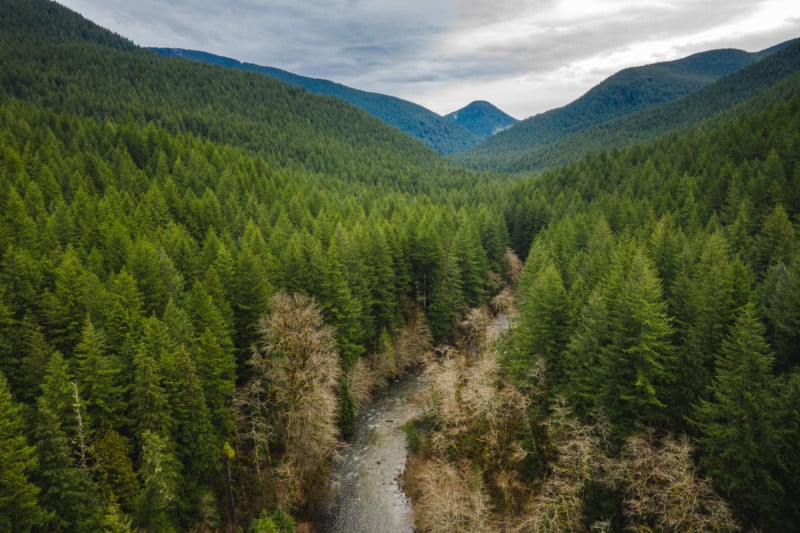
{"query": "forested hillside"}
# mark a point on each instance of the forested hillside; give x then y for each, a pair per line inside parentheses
(482, 118)
(437, 132)
(205, 273)
(659, 325)
(195, 266)
(55, 58)
(636, 105)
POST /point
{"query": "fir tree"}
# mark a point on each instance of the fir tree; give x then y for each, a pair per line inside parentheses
(19, 508)
(739, 436)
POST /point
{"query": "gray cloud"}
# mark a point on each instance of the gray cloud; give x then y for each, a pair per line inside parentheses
(527, 53)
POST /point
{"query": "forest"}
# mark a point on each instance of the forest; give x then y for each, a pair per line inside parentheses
(650, 381)
(206, 274)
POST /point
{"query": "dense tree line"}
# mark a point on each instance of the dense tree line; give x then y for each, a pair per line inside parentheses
(189, 256)
(135, 268)
(661, 296)
(650, 380)
(435, 131)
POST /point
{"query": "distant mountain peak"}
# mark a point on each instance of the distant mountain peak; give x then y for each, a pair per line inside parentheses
(482, 118)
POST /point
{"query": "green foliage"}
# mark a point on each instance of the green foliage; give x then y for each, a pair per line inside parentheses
(114, 472)
(543, 320)
(643, 269)
(19, 508)
(739, 430)
(159, 477)
(278, 521)
(413, 438)
(347, 409)
(154, 207)
(634, 105)
(620, 354)
(444, 136)
(68, 492)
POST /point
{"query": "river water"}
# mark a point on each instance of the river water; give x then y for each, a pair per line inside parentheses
(365, 492)
(365, 495)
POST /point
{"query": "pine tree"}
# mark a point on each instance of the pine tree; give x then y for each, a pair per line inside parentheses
(149, 405)
(114, 470)
(781, 302)
(621, 357)
(159, 477)
(197, 448)
(77, 292)
(446, 296)
(542, 325)
(9, 360)
(472, 263)
(19, 508)
(36, 355)
(216, 371)
(341, 309)
(739, 436)
(63, 474)
(706, 297)
(125, 319)
(98, 374)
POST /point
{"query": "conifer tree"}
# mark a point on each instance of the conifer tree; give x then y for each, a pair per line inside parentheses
(36, 355)
(125, 319)
(149, 406)
(216, 371)
(739, 436)
(781, 302)
(341, 309)
(19, 508)
(98, 374)
(197, 448)
(114, 472)
(63, 475)
(542, 326)
(621, 358)
(159, 477)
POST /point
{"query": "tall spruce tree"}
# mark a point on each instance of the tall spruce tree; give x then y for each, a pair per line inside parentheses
(63, 473)
(620, 358)
(19, 508)
(542, 326)
(738, 424)
(98, 374)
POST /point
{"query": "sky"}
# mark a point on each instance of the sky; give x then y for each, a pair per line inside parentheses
(524, 56)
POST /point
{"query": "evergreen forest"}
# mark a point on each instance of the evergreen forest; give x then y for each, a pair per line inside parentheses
(205, 274)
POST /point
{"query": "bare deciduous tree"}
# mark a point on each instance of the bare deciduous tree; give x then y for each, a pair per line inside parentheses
(452, 498)
(662, 490)
(296, 373)
(558, 505)
(412, 342)
(512, 267)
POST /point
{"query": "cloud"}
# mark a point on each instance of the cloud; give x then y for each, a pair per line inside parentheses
(525, 56)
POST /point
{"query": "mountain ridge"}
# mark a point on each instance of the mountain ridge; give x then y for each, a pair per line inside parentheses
(688, 75)
(444, 136)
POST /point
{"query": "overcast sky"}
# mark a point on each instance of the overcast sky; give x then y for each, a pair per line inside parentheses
(525, 56)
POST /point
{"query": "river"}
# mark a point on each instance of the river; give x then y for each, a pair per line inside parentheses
(366, 495)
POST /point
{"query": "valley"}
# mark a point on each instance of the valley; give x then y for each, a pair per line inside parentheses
(212, 281)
